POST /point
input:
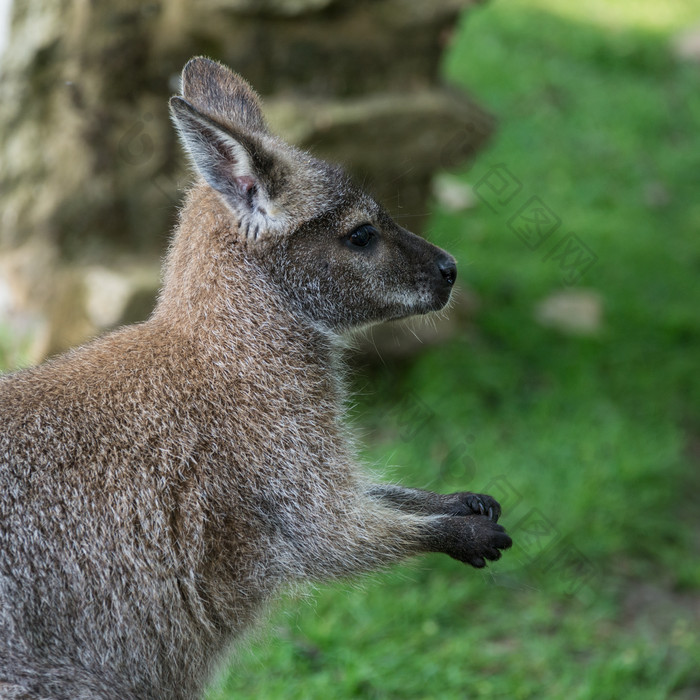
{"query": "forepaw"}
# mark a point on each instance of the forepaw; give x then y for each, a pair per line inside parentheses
(468, 503)
(475, 539)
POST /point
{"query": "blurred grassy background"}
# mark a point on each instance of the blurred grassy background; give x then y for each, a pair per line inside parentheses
(595, 439)
(591, 442)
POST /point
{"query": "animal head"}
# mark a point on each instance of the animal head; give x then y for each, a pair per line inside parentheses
(334, 253)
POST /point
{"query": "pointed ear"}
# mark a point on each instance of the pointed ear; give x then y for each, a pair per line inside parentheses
(222, 95)
(222, 158)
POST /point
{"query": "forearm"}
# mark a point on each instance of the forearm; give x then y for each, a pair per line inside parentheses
(429, 503)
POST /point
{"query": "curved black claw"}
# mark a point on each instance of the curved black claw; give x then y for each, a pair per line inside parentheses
(468, 503)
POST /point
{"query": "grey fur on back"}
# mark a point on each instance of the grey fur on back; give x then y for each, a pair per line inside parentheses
(160, 484)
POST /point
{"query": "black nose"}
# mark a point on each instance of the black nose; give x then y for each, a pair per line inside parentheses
(448, 268)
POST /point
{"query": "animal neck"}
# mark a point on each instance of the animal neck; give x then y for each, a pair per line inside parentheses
(214, 291)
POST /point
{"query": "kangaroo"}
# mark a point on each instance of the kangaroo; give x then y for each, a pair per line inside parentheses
(160, 484)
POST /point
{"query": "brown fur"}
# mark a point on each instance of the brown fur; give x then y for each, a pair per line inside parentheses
(158, 485)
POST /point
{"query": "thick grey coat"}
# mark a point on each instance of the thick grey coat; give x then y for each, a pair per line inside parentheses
(158, 485)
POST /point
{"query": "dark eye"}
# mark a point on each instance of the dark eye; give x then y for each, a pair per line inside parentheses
(362, 235)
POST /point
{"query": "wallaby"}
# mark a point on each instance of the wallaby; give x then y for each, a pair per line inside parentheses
(160, 484)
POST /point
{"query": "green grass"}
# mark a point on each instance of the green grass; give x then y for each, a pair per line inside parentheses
(593, 434)
(592, 443)
(14, 346)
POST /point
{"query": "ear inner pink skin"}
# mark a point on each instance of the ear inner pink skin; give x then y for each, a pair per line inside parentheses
(245, 183)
